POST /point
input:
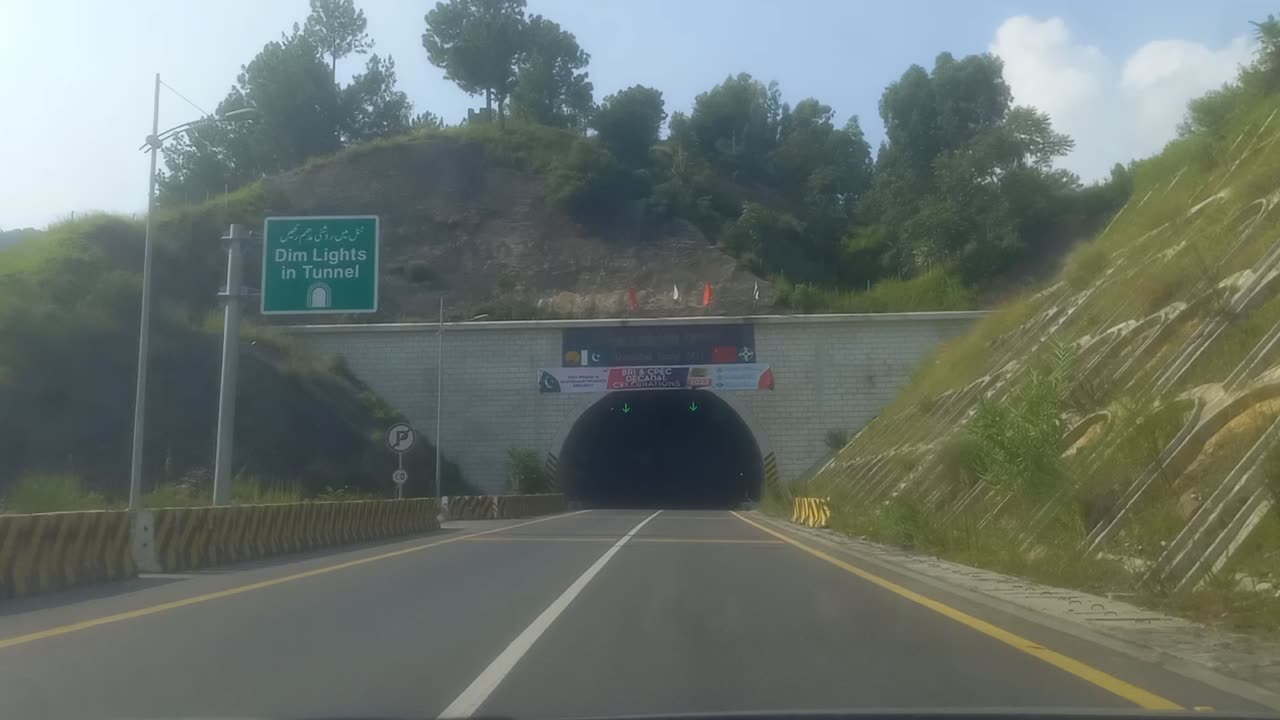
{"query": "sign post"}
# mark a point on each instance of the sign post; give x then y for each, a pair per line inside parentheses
(400, 438)
(321, 264)
(229, 381)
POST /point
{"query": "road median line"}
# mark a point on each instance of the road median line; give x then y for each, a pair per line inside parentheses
(260, 585)
(634, 541)
(1134, 694)
(488, 680)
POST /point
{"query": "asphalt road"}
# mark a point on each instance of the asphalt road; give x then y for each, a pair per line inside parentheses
(588, 614)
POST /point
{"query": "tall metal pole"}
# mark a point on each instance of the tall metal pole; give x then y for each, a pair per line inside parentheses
(439, 390)
(144, 325)
(230, 368)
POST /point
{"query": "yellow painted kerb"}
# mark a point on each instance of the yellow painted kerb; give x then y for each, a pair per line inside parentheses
(1110, 683)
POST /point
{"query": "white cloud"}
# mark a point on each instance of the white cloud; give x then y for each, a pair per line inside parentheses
(1116, 111)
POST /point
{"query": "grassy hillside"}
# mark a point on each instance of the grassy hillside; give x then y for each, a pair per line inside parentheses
(1118, 429)
(69, 302)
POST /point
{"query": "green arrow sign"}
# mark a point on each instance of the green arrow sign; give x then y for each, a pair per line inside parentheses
(693, 407)
(626, 407)
(321, 264)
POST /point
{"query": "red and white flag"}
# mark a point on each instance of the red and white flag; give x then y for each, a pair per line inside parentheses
(631, 298)
(706, 294)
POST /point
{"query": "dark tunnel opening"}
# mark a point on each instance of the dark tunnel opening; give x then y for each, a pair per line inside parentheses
(661, 449)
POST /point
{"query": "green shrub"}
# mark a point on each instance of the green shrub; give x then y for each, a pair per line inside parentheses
(259, 491)
(836, 439)
(589, 182)
(777, 496)
(1019, 437)
(938, 289)
(342, 494)
(179, 494)
(51, 492)
(526, 472)
(959, 460)
(1085, 265)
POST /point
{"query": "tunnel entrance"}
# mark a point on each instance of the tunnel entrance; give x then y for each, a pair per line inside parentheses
(661, 449)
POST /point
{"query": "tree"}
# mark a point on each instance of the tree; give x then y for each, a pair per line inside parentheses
(426, 119)
(803, 134)
(1208, 114)
(298, 117)
(768, 241)
(549, 88)
(1264, 74)
(963, 178)
(337, 29)
(628, 123)
(1033, 138)
(971, 96)
(477, 43)
(371, 107)
(301, 114)
(735, 125)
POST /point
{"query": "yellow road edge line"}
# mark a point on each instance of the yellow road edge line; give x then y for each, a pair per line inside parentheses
(1112, 684)
(693, 517)
(228, 592)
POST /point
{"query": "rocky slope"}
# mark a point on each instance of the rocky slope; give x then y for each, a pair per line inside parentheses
(1119, 429)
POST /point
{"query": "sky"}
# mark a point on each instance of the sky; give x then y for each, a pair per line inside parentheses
(1115, 75)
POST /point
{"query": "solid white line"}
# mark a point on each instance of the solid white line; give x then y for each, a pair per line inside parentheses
(483, 686)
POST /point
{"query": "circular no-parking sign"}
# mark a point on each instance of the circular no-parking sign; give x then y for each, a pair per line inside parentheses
(400, 437)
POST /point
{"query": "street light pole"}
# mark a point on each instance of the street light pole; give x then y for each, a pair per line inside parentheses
(152, 144)
(144, 329)
(439, 391)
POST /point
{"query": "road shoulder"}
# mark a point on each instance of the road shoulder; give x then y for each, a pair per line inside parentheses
(1232, 664)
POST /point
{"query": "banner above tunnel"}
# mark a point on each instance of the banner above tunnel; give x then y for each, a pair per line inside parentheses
(743, 376)
(657, 345)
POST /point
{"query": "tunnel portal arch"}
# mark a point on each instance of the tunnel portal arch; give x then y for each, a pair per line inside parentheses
(659, 448)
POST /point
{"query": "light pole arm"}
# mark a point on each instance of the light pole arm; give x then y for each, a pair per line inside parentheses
(156, 139)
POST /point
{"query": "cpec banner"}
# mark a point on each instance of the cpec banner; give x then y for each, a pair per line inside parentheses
(742, 376)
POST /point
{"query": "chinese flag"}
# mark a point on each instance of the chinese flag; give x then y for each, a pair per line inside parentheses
(631, 298)
(724, 354)
(706, 294)
(766, 380)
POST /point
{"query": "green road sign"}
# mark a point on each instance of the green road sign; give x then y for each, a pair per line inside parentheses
(320, 264)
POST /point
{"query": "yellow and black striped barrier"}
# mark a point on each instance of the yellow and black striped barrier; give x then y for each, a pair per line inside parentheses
(52, 551)
(503, 507)
(518, 506)
(811, 512)
(188, 538)
(473, 507)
